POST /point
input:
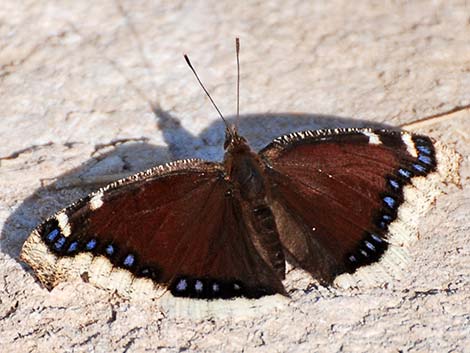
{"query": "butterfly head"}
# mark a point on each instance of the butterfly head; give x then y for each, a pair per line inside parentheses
(233, 140)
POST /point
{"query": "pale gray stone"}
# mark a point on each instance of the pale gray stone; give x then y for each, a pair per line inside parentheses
(69, 72)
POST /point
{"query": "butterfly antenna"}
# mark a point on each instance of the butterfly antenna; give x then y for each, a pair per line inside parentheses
(205, 90)
(237, 46)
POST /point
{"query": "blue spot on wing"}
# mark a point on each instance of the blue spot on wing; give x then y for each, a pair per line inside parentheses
(52, 235)
(424, 149)
(110, 249)
(425, 159)
(419, 167)
(376, 238)
(384, 221)
(59, 243)
(404, 173)
(394, 184)
(73, 247)
(390, 201)
(369, 245)
(129, 260)
(91, 244)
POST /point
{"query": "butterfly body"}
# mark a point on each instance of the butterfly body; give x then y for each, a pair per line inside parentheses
(246, 172)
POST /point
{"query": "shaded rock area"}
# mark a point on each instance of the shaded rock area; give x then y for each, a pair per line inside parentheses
(78, 83)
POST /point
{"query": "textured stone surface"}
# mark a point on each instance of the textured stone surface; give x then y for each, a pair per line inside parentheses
(76, 82)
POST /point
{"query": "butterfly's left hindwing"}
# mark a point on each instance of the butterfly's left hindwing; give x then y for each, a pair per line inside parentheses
(173, 228)
(337, 192)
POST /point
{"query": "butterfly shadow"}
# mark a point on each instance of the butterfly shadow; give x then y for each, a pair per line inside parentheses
(258, 128)
(131, 157)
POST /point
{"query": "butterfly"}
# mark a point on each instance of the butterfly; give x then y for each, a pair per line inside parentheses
(329, 201)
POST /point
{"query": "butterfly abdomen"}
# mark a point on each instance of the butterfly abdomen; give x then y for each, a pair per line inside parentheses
(268, 237)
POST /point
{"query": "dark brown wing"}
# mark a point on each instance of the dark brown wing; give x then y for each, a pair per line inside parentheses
(337, 192)
(177, 225)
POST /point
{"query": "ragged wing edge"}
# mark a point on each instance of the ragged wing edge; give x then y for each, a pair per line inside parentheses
(419, 196)
(98, 270)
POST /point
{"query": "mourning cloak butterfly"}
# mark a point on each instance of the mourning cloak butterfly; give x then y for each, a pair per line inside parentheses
(330, 201)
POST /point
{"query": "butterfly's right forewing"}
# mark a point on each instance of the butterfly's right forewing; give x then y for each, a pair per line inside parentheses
(337, 193)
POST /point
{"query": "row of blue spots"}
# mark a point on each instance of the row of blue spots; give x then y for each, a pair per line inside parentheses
(206, 288)
(56, 239)
(197, 287)
(111, 250)
(425, 155)
(129, 260)
(370, 249)
(406, 174)
(58, 242)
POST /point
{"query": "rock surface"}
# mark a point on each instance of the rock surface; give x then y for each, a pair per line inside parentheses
(77, 82)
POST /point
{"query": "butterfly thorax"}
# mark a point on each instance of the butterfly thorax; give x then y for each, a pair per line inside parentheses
(245, 172)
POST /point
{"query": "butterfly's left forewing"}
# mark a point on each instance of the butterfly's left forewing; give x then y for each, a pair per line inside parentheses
(173, 228)
(337, 193)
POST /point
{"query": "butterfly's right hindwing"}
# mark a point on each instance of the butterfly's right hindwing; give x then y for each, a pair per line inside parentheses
(337, 193)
